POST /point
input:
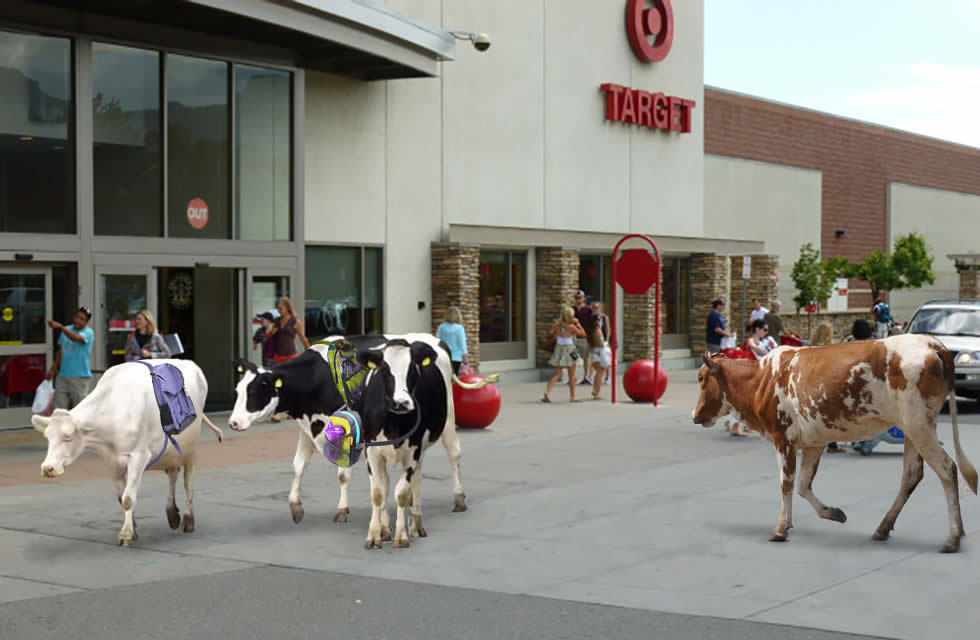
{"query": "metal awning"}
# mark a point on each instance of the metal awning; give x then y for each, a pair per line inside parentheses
(354, 38)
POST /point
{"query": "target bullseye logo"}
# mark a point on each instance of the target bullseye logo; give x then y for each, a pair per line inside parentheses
(644, 22)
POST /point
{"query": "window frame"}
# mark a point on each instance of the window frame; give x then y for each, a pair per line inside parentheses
(509, 349)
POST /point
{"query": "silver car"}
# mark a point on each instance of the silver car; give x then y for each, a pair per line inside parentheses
(956, 323)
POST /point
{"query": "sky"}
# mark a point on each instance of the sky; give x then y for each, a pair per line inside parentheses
(908, 64)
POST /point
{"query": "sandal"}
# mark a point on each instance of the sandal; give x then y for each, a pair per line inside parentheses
(545, 398)
(575, 400)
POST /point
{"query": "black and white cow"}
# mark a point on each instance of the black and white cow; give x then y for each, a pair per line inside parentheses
(304, 388)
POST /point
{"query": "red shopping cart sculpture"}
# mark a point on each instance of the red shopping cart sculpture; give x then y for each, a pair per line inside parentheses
(636, 270)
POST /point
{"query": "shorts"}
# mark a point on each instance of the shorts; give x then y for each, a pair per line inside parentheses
(714, 348)
(279, 359)
(565, 355)
(68, 392)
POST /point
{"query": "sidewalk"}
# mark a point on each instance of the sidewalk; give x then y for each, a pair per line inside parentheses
(626, 505)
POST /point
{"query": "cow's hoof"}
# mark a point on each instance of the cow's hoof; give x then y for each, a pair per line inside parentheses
(296, 509)
(372, 544)
(835, 514)
(952, 546)
(342, 515)
(778, 537)
(188, 522)
(880, 535)
(173, 517)
(126, 539)
(419, 532)
(459, 504)
(386, 534)
(401, 544)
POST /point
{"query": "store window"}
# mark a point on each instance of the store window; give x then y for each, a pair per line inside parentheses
(595, 278)
(198, 176)
(128, 149)
(343, 291)
(503, 304)
(262, 153)
(37, 181)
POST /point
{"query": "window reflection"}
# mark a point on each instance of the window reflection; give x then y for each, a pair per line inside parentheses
(335, 301)
(37, 184)
(197, 148)
(128, 145)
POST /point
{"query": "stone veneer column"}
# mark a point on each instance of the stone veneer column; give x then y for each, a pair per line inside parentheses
(556, 281)
(638, 326)
(710, 279)
(456, 282)
(969, 283)
(764, 284)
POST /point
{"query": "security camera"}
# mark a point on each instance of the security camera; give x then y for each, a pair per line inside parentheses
(481, 42)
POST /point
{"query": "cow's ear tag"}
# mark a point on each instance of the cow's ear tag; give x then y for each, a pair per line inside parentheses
(371, 365)
(427, 362)
(278, 383)
(241, 369)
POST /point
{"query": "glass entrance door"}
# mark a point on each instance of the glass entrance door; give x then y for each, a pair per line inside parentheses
(263, 289)
(123, 292)
(25, 339)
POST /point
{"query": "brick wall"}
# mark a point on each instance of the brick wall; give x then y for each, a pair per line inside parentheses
(806, 323)
(710, 279)
(857, 161)
(455, 282)
(969, 284)
(556, 281)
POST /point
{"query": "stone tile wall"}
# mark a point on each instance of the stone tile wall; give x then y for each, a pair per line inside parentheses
(763, 283)
(455, 282)
(556, 281)
(710, 277)
(969, 284)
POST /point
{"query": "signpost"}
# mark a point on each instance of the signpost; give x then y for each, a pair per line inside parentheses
(635, 270)
(746, 274)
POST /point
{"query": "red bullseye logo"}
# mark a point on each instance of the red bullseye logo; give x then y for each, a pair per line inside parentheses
(644, 22)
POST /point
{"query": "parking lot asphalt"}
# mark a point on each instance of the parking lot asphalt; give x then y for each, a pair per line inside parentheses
(584, 520)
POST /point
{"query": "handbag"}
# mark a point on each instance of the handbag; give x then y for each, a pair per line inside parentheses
(43, 403)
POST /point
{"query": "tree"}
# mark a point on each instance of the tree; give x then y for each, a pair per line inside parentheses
(909, 266)
(814, 279)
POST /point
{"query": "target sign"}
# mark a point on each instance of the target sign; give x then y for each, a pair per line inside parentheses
(656, 21)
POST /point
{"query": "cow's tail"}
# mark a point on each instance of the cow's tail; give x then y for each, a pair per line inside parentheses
(966, 468)
(221, 436)
(490, 379)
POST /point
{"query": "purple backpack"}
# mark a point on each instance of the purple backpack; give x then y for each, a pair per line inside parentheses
(176, 410)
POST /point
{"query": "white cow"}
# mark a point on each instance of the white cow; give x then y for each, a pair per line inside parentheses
(121, 421)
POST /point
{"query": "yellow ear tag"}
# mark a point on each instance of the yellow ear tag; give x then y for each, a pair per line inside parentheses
(427, 362)
(241, 369)
(278, 383)
(371, 365)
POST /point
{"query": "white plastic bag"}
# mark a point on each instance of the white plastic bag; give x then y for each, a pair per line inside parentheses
(729, 342)
(605, 357)
(44, 399)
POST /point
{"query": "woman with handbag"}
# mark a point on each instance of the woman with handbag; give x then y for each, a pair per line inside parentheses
(565, 356)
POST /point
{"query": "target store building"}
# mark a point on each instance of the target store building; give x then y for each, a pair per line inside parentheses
(202, 158)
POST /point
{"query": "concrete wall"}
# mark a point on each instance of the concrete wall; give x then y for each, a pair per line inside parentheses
(950, 222)
(777, 204)
(514, 137)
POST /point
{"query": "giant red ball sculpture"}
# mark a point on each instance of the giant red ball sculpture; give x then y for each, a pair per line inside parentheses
(476, 408)
(638, 381)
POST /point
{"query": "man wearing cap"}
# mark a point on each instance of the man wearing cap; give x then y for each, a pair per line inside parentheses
(262, 337)
(72, 368)
(582, 313)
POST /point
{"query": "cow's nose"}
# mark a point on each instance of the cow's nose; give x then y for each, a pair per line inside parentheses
(236, 425)
(403, 406)
(48, 471)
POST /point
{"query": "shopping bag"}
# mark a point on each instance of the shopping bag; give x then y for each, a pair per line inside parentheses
(605, 357)
(729, 342)
(44, 399)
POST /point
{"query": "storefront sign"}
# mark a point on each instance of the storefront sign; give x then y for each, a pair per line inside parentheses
(644, 21)
(197, 213)
(654, 110)
(746, 267)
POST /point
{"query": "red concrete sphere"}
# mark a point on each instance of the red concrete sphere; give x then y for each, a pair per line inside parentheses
(476, 408)
(638, 381)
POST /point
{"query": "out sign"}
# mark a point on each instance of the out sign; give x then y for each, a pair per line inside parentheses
(197, 213)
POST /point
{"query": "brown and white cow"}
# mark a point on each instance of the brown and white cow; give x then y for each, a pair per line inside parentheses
(802, 398)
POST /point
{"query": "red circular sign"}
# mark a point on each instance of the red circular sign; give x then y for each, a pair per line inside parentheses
(636, 271)
(197, 213)
(657, 21)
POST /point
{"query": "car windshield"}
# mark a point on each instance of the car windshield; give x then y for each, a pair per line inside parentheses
(947, 322)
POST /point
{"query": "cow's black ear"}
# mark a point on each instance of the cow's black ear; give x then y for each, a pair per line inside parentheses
(370, 358)
(241, 366)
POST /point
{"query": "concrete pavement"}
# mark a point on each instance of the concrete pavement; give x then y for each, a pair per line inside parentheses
(585, 520)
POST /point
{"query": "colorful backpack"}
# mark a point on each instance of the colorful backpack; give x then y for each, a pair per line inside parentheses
(345, 438)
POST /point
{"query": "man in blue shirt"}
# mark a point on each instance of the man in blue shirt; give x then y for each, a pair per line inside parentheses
(716, 329)
(72, 368)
